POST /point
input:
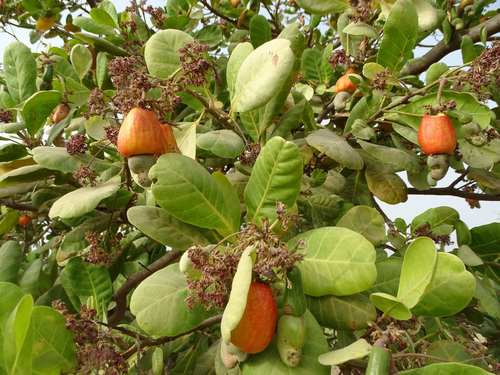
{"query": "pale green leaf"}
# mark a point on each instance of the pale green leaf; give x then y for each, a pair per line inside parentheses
(358, 349)
(366, 221)
(56, 158)
(81, 59)
(19, 67)
(38, 107)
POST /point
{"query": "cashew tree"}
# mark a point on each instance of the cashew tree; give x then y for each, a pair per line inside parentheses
(195, 187)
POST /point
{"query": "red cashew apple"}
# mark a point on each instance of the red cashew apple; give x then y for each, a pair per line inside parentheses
(436, 135)
(24, 220)
(344, 83)
(142, 134)
(258, 324)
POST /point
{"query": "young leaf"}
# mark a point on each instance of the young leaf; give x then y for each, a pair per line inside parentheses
(19, 71)
(336, 261)
(358, 349)
(400, 36)
(38, 107)
(238, 55)
(262, 74)
(275, 178)
(260, 30)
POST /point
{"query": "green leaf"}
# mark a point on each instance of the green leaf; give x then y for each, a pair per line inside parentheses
(435, 217)
(101, 69)
(468, 256)
(188, 192)
(53, 348)
(343, 313)
(323, 6)
(360, 28)
(480, 157)
(366, 221)
(469, 50)
(487, 296)
(223, 143)
(185, 136)
(159, 304)
(358, 349)
(238, 55)
(260, 30)
(391, 306)
(18, 339)
(56, 158)
(161, 51)
(88, 280)
(269, 362)
(90, 25)
(8, 221)
(81, 59)
(447, 368)
(74, 240)
(240, 287)
(336, 261)
(83, 200)
(38, 107)
(19, 71)
(32, 280)
(450, 290)
(28, 173)
(388, 187)
(102, 17)
(400, 36)
(390, 159)
(275, 178)
(110, 9)
(210, 35)
(371, 69)
(419, 263)
(388, 273)
(12, 151)
(11, 257)
(312, 66)
(94, 127)
(465, 102)
(363, 109)
(156, 223)
(262, 74)
(486, 241)
(435, 71)
(449, 351)
(335, 147)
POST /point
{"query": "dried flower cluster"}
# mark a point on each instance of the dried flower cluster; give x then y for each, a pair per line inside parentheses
(96, 103)
(362, 10)
(425, 230)
(77, 144)
(380, 80)
(112, 133)
(5, 116)
(250, 154)
(102, 249)
(438, 108)
(85, 176)
(339, 57)
(96, 349)
(193, 57)
(217, 265)
(485, 70)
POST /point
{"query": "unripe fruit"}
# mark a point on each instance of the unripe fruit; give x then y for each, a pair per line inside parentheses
(142, 134)
(234, 3)
(436, 135)
(256, 328)
(24, 220)
(290, 339)
(340, 100)
(344, 83)
(478, 139)
(45, 23)
(141, 163)
(60, 113)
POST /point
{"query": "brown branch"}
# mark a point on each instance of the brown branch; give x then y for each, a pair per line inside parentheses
(164, 339)
(221, 116)
(121, 295)
(441, 49)
(217, 13)
(456, 193)
(18, 206)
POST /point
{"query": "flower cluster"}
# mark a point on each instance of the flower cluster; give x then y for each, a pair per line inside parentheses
(442, 107)
(85, 176)
(5, 116)
(215, 266)
(380, 80)
(362, 10)
(96, 103)
(129, 76)
(194, 63)
(102, 249)
(485, 70)
(76, 145)
(95, 347)
(112, 133)
(250, 154)
(426, 230)
(339, 57)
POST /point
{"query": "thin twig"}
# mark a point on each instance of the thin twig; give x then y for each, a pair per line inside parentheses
(456, 193)
(217, 13)
(18, 206)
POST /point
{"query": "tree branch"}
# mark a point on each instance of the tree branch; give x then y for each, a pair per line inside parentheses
(18, 206)
(441, 49)
(217, 13)
(455, 192)
(164, 339)
(121, 295)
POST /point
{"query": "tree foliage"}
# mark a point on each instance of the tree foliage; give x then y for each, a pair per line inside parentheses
(285, 123)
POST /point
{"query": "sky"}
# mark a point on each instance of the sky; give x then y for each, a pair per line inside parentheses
(489, 212)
